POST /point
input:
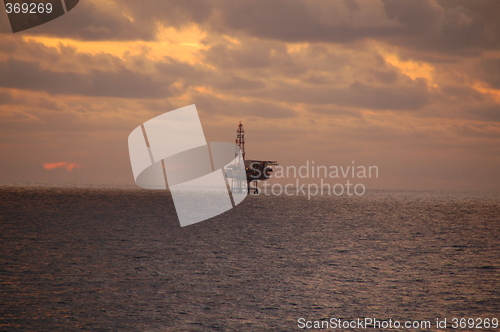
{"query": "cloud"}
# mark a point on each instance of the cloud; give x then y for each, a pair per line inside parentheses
(412, 96)
(485, 112)
(62, 164)
(300, 21)
(212, 105)
(489, 71)
(443, 26)
(5, 98)
(123, 83)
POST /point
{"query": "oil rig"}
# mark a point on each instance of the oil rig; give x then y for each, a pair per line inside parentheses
(255, 170)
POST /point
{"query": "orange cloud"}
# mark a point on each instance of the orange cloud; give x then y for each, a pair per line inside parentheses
(69, 166)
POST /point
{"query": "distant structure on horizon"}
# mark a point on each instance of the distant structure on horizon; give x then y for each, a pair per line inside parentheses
(255, 169)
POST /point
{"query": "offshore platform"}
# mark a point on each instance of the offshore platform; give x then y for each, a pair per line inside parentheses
(255, 170)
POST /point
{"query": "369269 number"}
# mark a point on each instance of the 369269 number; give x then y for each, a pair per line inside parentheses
(472, 323)
(28, 8)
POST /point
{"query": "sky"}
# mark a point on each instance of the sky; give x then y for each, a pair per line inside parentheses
(412, 87)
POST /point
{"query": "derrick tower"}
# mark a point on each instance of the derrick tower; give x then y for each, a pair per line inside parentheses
(240, 141)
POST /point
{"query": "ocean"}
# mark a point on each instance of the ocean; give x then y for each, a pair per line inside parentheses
(104, 259)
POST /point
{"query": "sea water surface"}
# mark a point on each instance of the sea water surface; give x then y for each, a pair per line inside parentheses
(90, 259)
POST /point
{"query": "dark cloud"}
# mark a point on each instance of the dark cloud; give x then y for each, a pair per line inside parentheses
(411, 96)
(122, 83)
(452, 93)
(173, 12)
(457, 27)
(385, 76)
(5, 98)
(209, 104)
(489, 71)
(230, 83)
(476, 131)
(193, 75)
(486, 112)
(177, 70)
(313, 64)
(303, 21)
(447, 26)
(337, 112)
(254, 56)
